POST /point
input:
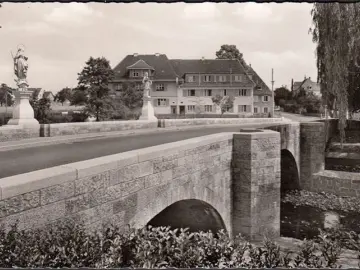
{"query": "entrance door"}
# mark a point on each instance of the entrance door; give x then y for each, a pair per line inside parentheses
(182, 109)
(173, 109)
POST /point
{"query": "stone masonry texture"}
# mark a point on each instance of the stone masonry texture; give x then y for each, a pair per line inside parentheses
(256, 184)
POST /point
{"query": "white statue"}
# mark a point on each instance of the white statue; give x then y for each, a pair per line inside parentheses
(147, 82)
(20, 67)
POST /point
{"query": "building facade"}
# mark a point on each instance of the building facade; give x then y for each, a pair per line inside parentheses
(187, 86)
(308, 85)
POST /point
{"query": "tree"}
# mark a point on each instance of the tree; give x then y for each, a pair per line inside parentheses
(95, 79)
(42, 108)
(78, 97)
(6, 95)
(63, 95)
(336, 29)
(225, 103)
(131, 96)
(230, 52)
(281, 93)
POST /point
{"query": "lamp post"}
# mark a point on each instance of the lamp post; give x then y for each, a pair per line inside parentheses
(272, 90)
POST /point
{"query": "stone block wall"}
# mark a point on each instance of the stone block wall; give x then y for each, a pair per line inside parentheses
(52, 130)
(256, 184)
(337, 182)
(15, 133)
(127, 188)
(312, 152)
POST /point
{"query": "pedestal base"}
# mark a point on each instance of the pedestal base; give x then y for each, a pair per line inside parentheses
(147, 112)
(23, 113)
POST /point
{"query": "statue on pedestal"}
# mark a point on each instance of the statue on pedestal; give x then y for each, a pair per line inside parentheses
(21, 68)
(147, 82)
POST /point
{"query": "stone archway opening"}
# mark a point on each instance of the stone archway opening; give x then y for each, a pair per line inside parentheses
(289, 172)
(193, 214)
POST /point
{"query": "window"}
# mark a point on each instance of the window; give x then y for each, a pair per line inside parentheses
(138, 86)
(118, 87)
(160, 87)
(266, 98)
(208, 92)
(255, 109)
(161, 102)
(222, 78)
(238, 78)
(207, 78)
(191, 108)
(135, 73)
(230, 109)
(266, 110)
(191, 78)
(224, 92)
(243, 108)
(191, 93)
(208, 108)
(242, 92)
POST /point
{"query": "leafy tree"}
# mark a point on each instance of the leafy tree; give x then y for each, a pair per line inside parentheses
(230, 52)
(63, 95)
(225, 103)
(5, 95)
(95, 79)
(336, 34)
(42, 108)
(78, 97)
(130, 96)
(281, 93)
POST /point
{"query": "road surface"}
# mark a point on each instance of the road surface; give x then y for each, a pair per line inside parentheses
(25, 160)
(298, 117)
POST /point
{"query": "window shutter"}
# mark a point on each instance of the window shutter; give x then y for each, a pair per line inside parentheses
(185, 93)
(167, 102)
(197, 93)
(155, 102)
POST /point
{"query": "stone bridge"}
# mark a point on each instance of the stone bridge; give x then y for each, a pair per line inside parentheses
(227, 180)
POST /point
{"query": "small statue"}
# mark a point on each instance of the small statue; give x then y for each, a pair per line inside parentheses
(20, 67)
(147, 82)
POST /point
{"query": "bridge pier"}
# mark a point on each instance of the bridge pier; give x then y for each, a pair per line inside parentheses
(256, 184)
(312, 152)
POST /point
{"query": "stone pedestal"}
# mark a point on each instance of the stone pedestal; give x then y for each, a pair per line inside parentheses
(23, 113)
(147, 112)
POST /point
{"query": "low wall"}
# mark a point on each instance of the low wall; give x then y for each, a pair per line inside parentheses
(61, 129)
(336, 182)
(238, 175)
(15, 133)
(216, 121)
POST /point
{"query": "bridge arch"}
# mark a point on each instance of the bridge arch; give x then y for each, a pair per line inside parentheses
(194, 214)
(290, 179)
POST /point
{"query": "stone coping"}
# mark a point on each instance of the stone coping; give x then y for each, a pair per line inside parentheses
(339, 174)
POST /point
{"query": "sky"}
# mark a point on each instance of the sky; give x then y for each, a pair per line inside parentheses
(60, 38)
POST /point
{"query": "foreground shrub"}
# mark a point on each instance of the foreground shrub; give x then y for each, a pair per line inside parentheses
(70, 245)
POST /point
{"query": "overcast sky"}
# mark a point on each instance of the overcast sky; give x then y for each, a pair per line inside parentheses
(59, 38)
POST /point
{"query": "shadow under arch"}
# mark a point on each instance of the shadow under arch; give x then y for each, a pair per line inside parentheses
(194, 214)
(289, 172)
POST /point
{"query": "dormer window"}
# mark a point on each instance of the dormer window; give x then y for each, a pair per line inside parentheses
(191, 78)
(222, 78)
(135, 73)
(160, 87)
(207, 78)
(238, 78)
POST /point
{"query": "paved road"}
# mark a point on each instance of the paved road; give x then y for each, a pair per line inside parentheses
(25, 160)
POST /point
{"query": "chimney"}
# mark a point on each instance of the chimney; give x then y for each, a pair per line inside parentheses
(157, 54)
(135, 54)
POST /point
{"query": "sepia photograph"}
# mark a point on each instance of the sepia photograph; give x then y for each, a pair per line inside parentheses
(156, 135)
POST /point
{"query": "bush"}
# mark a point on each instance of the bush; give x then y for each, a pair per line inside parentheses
(69, 244)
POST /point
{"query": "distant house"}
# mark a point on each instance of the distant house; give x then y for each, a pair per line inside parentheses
(49, 95)
(180, 86)
(308, 85)
(37, 92)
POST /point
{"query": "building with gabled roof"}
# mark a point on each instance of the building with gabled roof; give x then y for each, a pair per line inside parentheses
(186, 86)
(308, 85)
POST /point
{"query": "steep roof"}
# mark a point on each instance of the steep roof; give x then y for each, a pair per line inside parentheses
(47, 94)
(141, 64)
(297, 85)
(36, 91)
(261, 88)
(203, 66)
(160, 63)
